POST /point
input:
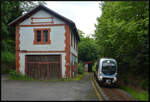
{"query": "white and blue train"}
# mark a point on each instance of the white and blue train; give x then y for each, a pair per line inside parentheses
(106, 71)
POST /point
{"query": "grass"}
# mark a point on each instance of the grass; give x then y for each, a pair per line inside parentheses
(15, 76)
(76, 78)
(20, 77)
(142, 96)
(79, 77)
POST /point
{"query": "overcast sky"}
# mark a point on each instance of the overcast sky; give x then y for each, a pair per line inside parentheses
(84, 14)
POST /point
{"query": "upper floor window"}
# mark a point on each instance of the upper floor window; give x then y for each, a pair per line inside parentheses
(42, 36)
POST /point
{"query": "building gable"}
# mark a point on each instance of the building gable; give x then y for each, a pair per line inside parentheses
(41, 17)
(41, 7)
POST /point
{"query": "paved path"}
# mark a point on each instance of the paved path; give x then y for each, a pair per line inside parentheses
(39, 90)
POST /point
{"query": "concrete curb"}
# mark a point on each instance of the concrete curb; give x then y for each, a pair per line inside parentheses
(99, 89)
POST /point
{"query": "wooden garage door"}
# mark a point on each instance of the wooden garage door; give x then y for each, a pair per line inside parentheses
(43, 67)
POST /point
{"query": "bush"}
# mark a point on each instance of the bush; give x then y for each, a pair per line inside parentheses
(18, 76)
(80, 68)
(4, 70)
(7, 61)
(94, 67)
(7, 57)
(144, 84)
(14, 75)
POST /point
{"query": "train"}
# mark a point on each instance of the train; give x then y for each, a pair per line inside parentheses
(106, 71)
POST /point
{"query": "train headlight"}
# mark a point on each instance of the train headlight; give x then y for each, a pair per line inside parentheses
(100, 78)
(115, 79)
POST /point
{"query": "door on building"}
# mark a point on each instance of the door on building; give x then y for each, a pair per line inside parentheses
(43, 67)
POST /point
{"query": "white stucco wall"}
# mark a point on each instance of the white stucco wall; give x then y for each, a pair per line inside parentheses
(57, 37)
(72, 49)
(41, 13)
(22, 61)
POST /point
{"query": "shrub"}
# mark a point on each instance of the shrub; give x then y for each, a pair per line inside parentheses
(144, 84)
(7, 57)
(4, 70)
(14, 75)
(7, 61)
(18, 76)
(80, 68)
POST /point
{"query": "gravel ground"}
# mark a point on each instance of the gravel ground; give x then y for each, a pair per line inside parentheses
(40, 90)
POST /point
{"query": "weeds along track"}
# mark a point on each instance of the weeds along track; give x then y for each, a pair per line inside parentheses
(115, 94)
(111, 93)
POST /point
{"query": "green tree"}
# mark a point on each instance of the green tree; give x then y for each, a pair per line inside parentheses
(7, 15)
(86, 48)
(10, 10)
(122, 33)
(81, 34)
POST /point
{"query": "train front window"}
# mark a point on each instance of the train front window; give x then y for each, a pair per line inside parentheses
(108, 68)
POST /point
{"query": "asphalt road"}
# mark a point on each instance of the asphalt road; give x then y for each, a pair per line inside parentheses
(40, 90)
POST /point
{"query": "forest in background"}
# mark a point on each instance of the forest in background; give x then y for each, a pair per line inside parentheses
(121, 33)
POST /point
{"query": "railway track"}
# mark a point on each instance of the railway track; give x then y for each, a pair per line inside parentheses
(115, 94)
(111, 93)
